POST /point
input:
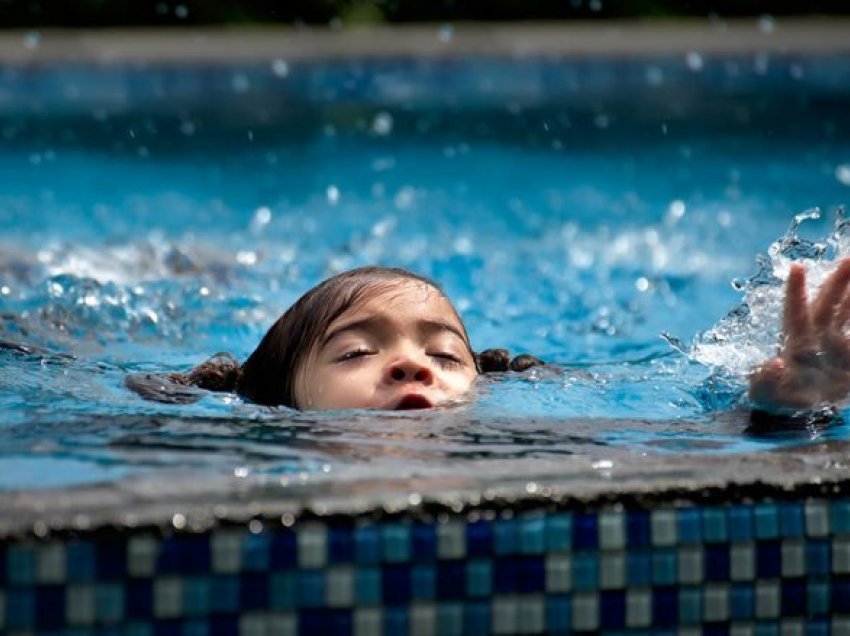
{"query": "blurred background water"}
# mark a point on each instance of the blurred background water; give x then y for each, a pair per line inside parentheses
(574, 208)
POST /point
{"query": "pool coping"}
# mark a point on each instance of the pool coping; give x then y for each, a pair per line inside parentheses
(614, 38)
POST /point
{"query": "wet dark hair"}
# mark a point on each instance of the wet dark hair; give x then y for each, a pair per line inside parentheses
(268, 375)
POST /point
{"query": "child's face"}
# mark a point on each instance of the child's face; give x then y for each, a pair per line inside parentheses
(403, 348)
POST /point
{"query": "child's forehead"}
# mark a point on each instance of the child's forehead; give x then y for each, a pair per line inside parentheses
(401, 295)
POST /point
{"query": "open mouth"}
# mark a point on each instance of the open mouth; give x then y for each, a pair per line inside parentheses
(410, 402)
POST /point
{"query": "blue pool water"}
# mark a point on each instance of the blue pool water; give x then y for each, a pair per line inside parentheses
(575, 209)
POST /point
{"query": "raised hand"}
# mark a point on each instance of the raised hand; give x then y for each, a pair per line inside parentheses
(812, 368)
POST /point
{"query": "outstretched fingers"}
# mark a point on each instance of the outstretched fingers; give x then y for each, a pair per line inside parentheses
(828, 305)
(796, 318)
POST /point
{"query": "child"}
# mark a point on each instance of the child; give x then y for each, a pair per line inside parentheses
(370, 338)
(385, 338)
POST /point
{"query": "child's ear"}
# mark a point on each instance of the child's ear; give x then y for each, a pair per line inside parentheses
(493, 360)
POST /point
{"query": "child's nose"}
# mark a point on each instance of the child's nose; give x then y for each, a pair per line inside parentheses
(410, 370)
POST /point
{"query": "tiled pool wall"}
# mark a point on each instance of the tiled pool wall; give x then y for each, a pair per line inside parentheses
(753, 567)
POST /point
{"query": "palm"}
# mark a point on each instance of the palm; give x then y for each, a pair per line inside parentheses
(813, 364)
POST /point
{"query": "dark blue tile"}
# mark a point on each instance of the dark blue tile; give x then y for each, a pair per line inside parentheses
(612, 609)
(255, 552)
(139, 599)
(585, 532)
(195, 554)
(817, 557)
(20, 609)
(740, 526)
(639, 566)
(559, 619)
(840, 594)
(423, 536)
(224, 592)
(310, 588)
(665, 607)
(741, 601)
(506, 536)
(396, 586)
(639, 529)
(715, 629)
(532, 574)
(224, 626)
(49, 606)
(479, 538)
(253, 590)
(111, 559)
(2, 566)
(768, 559)
(168, 559)
(367, 544)
(716, 560)
(396, 621)
(195, 627)
(325, 622)
(80, 561)
(505, 574)
(424, 581)
(689, 525)
(791, 520)
(283, 551)
(476, 617)
(451, 579)
(340, 544)
(168, 627)
(793, 597)
(817, 627)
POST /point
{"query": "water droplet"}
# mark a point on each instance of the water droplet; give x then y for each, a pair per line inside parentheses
(675, 211)
(32, 39)
(414, 499)
(842, 173)
(332, 194)
(382, 124)
(694, 61)
(181, 12)
(595, 5)
(246, 257)
(255, 526)
(5, 290)
(404, 198)
(445, 33)
(240, 83)
(178, 521)
(463, 245)
(262, 217)
(531, 488)
(287, 519)
(280, 68)
(642, 284)
(241, 471)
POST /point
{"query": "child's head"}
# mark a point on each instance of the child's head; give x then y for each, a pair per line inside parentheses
(372, 337)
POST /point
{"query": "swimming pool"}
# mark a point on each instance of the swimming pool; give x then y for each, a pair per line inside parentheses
(572, 207)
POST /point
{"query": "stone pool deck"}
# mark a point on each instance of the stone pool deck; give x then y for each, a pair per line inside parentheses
(603, 38)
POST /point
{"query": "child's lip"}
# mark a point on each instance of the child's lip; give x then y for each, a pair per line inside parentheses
(413, 401)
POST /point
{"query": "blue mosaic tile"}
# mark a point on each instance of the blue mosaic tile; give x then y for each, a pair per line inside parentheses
(195, 627)
(532, 535)
(505, 574)
(792, 523)
(793, 598)
(224, 626)
(282, 593)
(196, 596)
(817, 557)
(367, 544)
(20, 608)
(506, 536)
(559, 619)
(80, 560)
(689, 525)
(225, 592)
(169, 556)
(840, 594)
(367, 586)
(585, 571)
(740, 525)
(396, 621)
(3, 576)
(195, 554)
(253, 590)
(479, 578)
(20, 565)
(49, 606)
(324, 622)
(714, 525)
(612, 609)
(559, 532)
(168, 627)
(396, 584)
(664, 569)
(741, 601)
(451, 579)
(816, 627)
(532, 574)
(479, 538)
(111, 559)
(310, 588)
(638, 529)
(283, 550)
(255, 552)
(665, 606)
(476, 617)
(766, 521)
(768, 559)
(423, 582)
(715, 629)
(340, 544)
(395, 539)
(109, 601)
(450, 619)
(817, 597)
(766, 628)
(139, 594)
(133, 628)
(424, 538)
(690, 605)
(716, 562)
(639, 568)
(585, 531)
(839, 516)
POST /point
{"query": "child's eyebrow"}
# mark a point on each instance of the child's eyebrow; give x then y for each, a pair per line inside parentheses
(372, 323)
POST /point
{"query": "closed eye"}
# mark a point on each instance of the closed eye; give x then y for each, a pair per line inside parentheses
(352, 355)
(447, 359)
